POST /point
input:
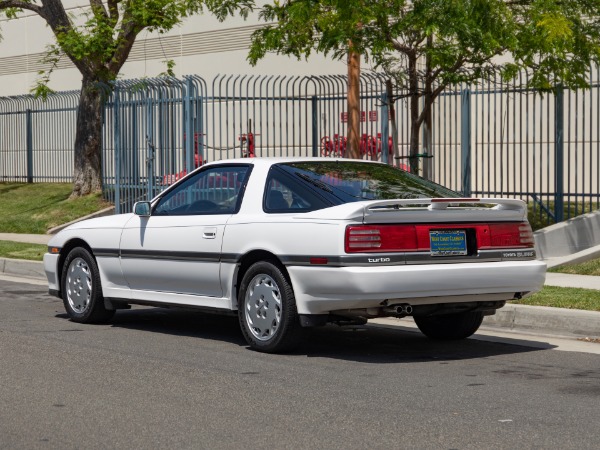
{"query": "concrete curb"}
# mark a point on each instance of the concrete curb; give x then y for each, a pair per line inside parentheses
(22, 267)
(545, 320)
(576, 258)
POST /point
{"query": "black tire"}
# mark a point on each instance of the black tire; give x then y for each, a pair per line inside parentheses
(267, 309)
(81, 288)
(450, 326)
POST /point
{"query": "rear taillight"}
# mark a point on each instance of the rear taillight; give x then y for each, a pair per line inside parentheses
(511, 235)
(410, 238)
(381, 238)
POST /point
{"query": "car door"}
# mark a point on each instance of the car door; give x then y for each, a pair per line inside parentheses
(177, 249)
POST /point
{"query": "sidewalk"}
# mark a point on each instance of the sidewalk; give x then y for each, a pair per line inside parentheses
(26, 238)
(573, 281)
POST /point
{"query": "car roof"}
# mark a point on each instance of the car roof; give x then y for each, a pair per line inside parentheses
(269, 161)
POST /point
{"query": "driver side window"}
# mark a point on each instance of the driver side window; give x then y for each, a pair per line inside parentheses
(215, 190)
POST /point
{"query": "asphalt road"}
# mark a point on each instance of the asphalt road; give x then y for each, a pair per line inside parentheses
(159, 378)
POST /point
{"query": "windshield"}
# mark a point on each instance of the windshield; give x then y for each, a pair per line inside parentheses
(350, 181)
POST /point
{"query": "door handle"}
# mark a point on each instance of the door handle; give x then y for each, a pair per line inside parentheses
(209, 233)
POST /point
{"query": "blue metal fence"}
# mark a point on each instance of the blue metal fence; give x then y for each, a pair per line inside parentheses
(37, 137)
(488, 139)
(148, 123)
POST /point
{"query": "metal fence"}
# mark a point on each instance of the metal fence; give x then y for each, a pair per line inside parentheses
(488, 139)
(37, 137)
(494, 139)
(148, 123)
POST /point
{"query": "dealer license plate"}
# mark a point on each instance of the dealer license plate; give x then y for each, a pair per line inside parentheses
(448, 243)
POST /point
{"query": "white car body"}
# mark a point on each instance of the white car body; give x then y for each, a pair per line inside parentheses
(194, 260)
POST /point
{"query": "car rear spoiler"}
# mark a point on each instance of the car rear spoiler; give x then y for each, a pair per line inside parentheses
(444, 203)
(370, 210)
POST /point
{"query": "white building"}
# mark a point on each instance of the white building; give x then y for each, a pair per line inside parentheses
(201, 45)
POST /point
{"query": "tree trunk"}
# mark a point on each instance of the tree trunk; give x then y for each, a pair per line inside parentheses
(353, 145)
(428, 100)
(392, 111)
(87, 171)
(415, 125)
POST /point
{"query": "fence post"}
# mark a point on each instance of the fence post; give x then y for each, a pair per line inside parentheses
(117, 147)
(150, 146)
(200, 123)
(29, 146)
(385, 129)
(559, 154)
(465, 140)
(188, 117)
(315, 126)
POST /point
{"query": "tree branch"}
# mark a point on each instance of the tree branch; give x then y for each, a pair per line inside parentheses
(126, 39)
(21, 5)
(113, 10)
(98, 8)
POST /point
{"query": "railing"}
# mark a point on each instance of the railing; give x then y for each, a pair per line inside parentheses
(488, 139)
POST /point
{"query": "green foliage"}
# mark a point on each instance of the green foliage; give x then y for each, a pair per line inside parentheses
(170, 65)
(426, 45)
(458, 39)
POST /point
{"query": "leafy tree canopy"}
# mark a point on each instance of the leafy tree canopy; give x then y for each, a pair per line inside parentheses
(98, 42)
(458, 39)
(426, 45)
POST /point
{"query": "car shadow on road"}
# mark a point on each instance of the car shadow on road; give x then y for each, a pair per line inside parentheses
(181, 322)
(367, 344)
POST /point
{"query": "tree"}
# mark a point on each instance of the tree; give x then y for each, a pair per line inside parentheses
(98, 44)
(427, 45)
(326, 26)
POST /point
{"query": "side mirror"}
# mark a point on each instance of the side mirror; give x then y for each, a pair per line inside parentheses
(142, 209)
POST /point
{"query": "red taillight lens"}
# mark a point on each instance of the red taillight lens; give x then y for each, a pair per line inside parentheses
(511, 235)
(380, 238)
(407, 238)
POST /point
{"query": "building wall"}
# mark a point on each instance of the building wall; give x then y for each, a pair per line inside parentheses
(200, 45)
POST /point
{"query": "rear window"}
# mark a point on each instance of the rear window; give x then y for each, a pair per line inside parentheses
(349, 181)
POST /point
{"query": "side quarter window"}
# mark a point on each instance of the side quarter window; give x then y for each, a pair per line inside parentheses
(285, 195)
(216, 190)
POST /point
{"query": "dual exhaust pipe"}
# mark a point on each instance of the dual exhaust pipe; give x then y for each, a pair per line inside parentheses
(401, 310)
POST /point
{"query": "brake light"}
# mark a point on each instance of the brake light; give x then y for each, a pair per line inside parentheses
(416, 237)
(380, 238)
(511, 235)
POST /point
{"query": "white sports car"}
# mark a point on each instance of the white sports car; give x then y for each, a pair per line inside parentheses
(297, 243)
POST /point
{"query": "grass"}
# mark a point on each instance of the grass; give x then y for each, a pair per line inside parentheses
(35, 208)
(539, 219)
(591, 267)
(20, 250)
(560, 297)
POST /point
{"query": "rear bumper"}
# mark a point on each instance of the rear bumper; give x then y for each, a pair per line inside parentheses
(320, 290)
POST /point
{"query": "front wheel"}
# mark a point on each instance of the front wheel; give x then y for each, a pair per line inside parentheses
(450, 326)
(81, 288)
(267, 309)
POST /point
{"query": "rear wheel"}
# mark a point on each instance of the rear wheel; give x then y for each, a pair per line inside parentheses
(81, 288)
(450, 326)
(267, 309)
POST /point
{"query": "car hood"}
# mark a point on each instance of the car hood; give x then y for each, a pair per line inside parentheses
(116, 221)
